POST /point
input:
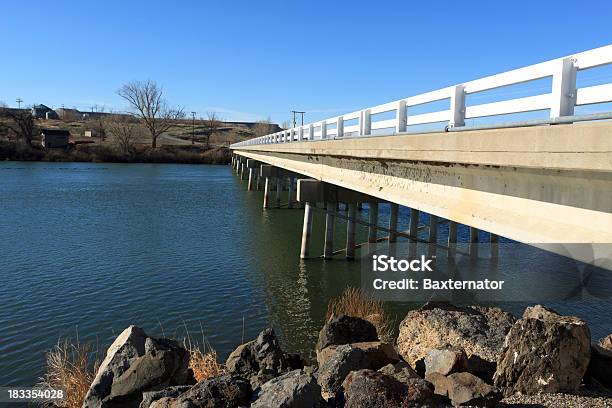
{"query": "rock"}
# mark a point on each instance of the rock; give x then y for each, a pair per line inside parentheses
(466, 389)
(599, 371)
(445, 361)
(371, 389)
(606, 342)
(223, 391)
(544, 352)
(439, 382)
(477, 330)
(260, 360)
(379, 353)
(170, 392)
(334, 371)
(401, 371)
(296, 389)
(345, 329)
(136, 363)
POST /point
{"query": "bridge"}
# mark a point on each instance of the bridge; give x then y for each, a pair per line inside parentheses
(542, 182)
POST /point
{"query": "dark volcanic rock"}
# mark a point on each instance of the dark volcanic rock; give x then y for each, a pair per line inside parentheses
(606, 342)
(344, 330)
(371, 389)
(379, 354)
(477, 330)
(401, 371)
(544, 352)
(296, 389)
(334, 371)
(170, 392)
(260, 360)
(600, 366)
(223, 391)
(136, 363)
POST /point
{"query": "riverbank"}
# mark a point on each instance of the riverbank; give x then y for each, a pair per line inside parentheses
(15, 151)
(444, 356)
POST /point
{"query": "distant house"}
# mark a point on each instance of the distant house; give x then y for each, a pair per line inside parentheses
(55, 138)
(43, 112)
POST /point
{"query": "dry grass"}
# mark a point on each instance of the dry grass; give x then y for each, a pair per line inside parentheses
(70, 368)
(353, 302)
(204, 364)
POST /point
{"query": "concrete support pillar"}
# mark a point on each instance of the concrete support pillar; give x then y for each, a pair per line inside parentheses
(250, 183)
(306, 232)
(372, 231)
(359, 206)
(350, 231)
(266, 199)
(473, 242)
(242, 170)
(433, 228)
(413, 230)
(290, 194)
(328, 250)
(452, 238)
(393, 222)
(257, 180)
(279, 189)
(494, 240)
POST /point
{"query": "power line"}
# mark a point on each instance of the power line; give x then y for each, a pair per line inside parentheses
(296, 112)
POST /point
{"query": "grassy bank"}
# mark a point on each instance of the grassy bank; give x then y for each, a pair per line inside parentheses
(16, 151)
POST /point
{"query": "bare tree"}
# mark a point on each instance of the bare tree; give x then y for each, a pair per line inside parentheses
(211, 125)
(263, 127)
(286, 124)
(124, 130)
(147, 99)
(22, 124)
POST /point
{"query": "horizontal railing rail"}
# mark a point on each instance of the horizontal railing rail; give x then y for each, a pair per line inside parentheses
(562, 99)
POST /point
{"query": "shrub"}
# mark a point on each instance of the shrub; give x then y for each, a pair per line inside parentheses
(70, 368)
(353, 302)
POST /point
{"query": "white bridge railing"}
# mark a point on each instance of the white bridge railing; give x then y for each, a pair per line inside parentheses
(561, 101)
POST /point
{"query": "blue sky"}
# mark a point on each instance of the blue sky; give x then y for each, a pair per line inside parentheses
(253, 59)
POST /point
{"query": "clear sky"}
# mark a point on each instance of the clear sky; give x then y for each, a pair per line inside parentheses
(248, 60)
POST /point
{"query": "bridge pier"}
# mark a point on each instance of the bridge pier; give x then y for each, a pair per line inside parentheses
(373, 221)
(452, 239)
(433, 228)
(413, 230)
(290, 193)
(394, 210)
(350, 231)
(328, 249)
(266, 198)
(306, 231)
(473, 242)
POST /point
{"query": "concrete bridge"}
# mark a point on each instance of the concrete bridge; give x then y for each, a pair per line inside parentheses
(541, 182)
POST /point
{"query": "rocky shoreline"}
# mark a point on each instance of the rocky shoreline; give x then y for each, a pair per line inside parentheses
(444, 356)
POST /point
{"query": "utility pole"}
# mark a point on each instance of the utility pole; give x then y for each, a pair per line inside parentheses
(296, 112)
(19, 100)
(193, 128)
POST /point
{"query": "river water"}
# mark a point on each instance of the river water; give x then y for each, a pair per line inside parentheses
(88, 249)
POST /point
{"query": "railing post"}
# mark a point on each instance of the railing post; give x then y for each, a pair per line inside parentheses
(323, 130)
(401, 118)
(457, 107)
(301, 133)
(311, 132)
(365, 122)
(340, 127)
(563, 89)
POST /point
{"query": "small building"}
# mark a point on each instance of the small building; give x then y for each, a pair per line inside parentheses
(55, 138)
(88, 133)
(43, 112)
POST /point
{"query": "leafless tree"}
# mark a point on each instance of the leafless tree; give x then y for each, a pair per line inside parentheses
(22, 124)
(147, 100)
(124, 131)
(212, 123)
(286, 124)
(263, 127)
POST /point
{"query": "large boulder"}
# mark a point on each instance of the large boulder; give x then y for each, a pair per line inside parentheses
(260, 360)
(606, 342)
(296, 389)
(372, 389)
(600, 367)
(379, 353)
(465, 389)
(136, 363)
(224, 391)
(171, 392)
(544, 352)
(345, 329)
(479, 331)
(401, 371)
(445, 361)
(334, 371)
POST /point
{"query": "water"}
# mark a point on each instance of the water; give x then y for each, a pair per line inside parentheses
(88, 249)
